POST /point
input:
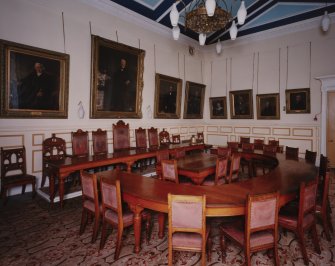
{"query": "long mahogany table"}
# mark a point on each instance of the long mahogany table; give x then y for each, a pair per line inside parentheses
(63, 168)
(225, 200)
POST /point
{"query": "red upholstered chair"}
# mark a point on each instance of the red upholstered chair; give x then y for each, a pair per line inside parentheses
(310, 156)
(14, 171)
(164, 137)
(153, 137)
(53, 149)
(141, 138)
(169, 170)
(292, 153)
(303, 219)
(121, 136)
(90, 203)
(233, 146)
(187, 225)
(99, 139)
(224, 152)
(323, 208)
(200, 137)
(259, 143)
(80, 143)
(160, 156)
(176, 139)
(260, 231)
(220, 173)
(234, 168)
(113, 214)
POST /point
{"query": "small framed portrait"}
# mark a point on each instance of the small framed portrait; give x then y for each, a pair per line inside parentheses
(167, 97)
(194, 100)
(117, 79)
(268, 106)
(34, 82)
(298, 101)
(241, 104)
(218, 107)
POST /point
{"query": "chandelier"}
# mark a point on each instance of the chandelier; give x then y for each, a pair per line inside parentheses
(207, 16)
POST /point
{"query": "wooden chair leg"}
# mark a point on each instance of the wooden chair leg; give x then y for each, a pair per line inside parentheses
(44, 178)
(223, 244)
(329, 220)
(118, 243)
(148, 229)
(23, 189)
(33, 189)
(83, 221)
(247, 256)
(170, 255)
(315, 239)
(300, 236)
(95, 228)
(275, 252)
(103, 234)
(209, 246)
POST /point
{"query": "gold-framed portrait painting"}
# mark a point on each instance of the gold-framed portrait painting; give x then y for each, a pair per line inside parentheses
(117, 79)
(194, 100)
(167, 96)
(34, 82)
(298, 101)
(241, 104)
(218, 107)
(268, 106)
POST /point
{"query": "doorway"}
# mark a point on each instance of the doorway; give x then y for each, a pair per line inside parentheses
(331, 129)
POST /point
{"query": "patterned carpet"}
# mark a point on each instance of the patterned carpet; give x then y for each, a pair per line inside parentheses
(31, 234)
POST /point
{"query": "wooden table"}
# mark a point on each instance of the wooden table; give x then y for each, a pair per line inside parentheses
(225, 200)
(63, 168)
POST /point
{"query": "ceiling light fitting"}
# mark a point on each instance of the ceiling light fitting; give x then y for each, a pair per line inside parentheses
(207, 16)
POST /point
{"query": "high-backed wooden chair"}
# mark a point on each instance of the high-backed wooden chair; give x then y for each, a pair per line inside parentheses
(153, 137)
(160, 156)
(260, 231)
(259, 143)
(121, 136)
(323, 167)
(164, 137)
(80, 146)
(270, 150)
(274, 142)
(248, 147)
(99, 139)
(187, 225)
(14, 171)
(224, 152)
(234, 168)
(170, 171)
(233, 145)
(323, 208)
(113, 214)
(220, 173)
(141, 138)
(301, 220)
(53, 149)
(176, 139)
(310, 156)
(292, 153)
(90, 199)
(200, 137)
(244, 140)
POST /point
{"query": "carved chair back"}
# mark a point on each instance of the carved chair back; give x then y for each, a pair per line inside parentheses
(121, 136)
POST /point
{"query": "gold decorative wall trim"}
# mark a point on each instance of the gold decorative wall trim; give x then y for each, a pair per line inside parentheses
(254, 130)
(281, 134)
(212, 129)
(309, 130)
(184, 130)
(247, 130)
(222, 129)
(35, 139)
(174, 130)
(33, 170)
(20, 139)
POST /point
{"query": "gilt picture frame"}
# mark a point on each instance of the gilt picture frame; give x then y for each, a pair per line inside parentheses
(241, 104)
(218, 107)
(116, 79)
(167, 97)
(268, 107)
(34, 82)
(194, 100)
(298, 101)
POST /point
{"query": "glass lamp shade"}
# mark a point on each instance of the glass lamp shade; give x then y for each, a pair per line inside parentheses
(233, 31)
(241, 14)
(325, 22)
(175, 32)
(210, 7)
(218, 47)
(174, 15)
(202, 39)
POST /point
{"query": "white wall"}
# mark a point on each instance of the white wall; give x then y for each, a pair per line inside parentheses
(39, 23)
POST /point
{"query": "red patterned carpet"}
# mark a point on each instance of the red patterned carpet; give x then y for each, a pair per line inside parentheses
(31, 234)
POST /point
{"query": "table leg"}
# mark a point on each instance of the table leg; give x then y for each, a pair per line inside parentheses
(137, 226)
(161, 224)
(61, 190)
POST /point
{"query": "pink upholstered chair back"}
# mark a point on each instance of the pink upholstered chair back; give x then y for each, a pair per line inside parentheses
(141, 138)
(109, 194)
(308, 196)
(221, 168)
(186, 214)
(99, 139)
(235, 162)
(121, 136)
(169, 170)
(87, 184)
(80, 143)
(153, 137)
(224, 152)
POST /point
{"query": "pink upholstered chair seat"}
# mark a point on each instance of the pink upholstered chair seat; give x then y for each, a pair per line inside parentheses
(128, 216)
(90, 205)
(291, 221)
(187, 240)
(236, 232)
